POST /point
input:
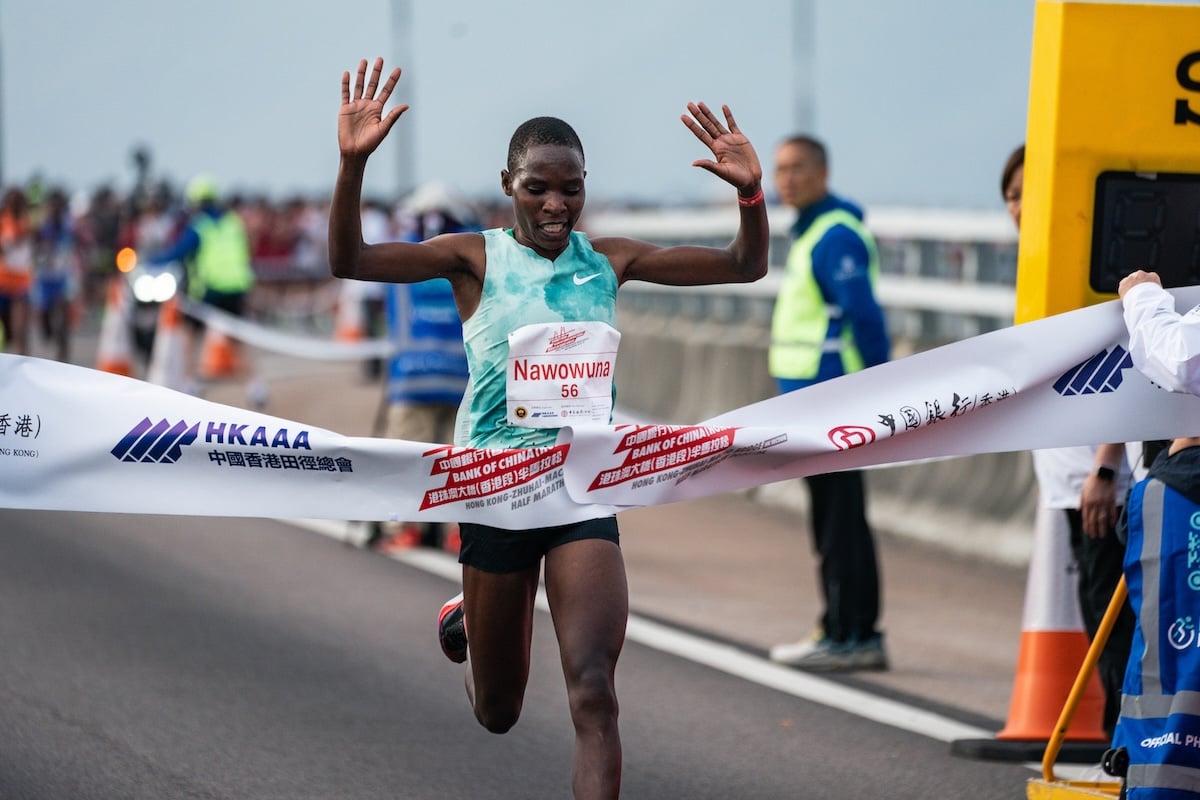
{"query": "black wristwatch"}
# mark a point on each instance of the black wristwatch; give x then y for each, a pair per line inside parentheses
(1106, 474)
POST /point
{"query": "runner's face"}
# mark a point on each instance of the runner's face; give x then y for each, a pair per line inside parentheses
(547, 192)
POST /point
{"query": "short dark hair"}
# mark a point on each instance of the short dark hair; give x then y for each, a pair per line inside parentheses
(814, 145)
(1015, 161)
(539, 131)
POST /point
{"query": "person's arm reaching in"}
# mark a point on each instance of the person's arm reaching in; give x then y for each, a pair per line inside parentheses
(1164, 344)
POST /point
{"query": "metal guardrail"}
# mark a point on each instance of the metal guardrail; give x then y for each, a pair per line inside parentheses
(946, 274)
(894, 291)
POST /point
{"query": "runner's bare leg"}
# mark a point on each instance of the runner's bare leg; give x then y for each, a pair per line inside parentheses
(499, 621)
(589, 601)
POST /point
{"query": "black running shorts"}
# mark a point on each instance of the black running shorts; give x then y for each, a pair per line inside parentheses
(502, 550)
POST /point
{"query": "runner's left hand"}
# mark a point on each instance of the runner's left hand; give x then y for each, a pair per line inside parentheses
(735, 161)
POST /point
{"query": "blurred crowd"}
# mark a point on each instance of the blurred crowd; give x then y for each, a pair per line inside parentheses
(58, 249)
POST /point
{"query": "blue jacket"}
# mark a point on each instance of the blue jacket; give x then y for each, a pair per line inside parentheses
(187, 244)
(840, 267)
(430, 365)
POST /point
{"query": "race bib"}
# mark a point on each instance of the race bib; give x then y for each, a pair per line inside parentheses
(561, 373)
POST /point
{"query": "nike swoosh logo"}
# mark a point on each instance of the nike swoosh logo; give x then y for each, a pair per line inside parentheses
(581, 281)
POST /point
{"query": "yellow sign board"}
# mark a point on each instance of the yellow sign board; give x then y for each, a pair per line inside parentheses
(1112, 155)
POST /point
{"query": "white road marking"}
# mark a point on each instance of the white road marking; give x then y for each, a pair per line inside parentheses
(721, 657)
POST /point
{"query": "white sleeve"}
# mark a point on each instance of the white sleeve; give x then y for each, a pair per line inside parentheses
(1164, 344)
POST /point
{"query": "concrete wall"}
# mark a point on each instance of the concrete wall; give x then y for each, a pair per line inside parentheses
(682, 369)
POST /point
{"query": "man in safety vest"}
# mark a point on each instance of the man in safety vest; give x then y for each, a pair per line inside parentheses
(216, 248)
(827, 323)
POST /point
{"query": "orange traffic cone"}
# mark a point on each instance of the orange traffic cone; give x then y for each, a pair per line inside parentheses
(1052, 649)
(349, 322)
(168, 359)
(1053, 644)
(114, 351)
(219, 359)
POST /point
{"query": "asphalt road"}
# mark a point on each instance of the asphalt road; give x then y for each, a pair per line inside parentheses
(165, 657)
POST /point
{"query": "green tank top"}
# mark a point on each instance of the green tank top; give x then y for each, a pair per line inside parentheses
(520, 288)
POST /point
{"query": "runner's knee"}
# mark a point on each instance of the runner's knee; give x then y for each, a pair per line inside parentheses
(497, 716)
(592, 695)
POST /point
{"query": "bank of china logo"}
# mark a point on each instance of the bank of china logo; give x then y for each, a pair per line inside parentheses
(155, 442)
(1101, 373)
(847, 437)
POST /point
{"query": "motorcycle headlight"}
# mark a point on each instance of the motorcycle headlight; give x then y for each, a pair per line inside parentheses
(164, 287)
(158, 288)
(143, 288)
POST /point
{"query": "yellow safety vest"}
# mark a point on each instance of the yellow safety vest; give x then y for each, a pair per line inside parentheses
(800, 327)
(223, 261)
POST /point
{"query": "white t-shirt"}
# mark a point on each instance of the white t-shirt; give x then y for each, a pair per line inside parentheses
(1135, 453)
(1061, 472)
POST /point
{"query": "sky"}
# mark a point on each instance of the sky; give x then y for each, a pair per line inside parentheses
(919, 103)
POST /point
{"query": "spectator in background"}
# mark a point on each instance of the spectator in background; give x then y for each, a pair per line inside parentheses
(274, 246)
(153, 227)
(428, 375)
(16, 269)
(56, 261)
(310, 221)
(1088, 484)
(254, 211)
(827, 323)
(214, 246)
(1012, 184)
(100, 229)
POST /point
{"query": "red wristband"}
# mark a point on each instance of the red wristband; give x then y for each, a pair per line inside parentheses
(753, 200)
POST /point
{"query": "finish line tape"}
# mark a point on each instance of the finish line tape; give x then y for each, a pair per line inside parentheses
(77, 439)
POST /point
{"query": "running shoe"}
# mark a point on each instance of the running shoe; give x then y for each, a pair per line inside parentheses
(452, 630)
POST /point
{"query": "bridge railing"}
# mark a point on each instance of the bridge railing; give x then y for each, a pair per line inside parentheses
(945, 275)
(690, 353)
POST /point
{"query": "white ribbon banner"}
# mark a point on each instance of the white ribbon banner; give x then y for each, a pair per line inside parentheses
(72, 438)
(288, 344)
